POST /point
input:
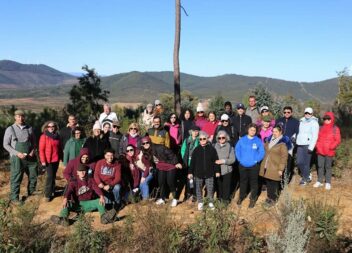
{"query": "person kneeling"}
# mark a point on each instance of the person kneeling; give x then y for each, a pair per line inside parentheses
(83, 189)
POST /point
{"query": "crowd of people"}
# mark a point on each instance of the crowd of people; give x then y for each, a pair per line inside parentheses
(198, 155)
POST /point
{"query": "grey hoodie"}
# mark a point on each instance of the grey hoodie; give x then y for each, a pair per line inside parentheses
(226, 153)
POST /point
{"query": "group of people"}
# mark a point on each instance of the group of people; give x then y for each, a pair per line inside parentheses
(198, 155)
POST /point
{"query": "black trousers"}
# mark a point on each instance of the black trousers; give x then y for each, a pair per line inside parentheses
(224, 185)
(166, 180)
(51, 170)
(273, 188)
(249, 176)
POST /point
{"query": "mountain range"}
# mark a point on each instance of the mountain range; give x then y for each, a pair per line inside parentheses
(27, 80)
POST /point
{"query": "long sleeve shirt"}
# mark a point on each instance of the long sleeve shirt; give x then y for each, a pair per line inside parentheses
(16, 133)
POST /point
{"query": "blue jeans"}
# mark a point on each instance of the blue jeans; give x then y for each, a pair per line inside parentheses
(303, 161)
(114, 195)
(145, 186)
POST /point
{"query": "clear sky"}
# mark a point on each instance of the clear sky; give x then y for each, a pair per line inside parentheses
(299, 40)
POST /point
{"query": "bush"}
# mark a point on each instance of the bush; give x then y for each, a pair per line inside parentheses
(343, 159)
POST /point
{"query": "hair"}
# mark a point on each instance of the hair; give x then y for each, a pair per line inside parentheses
(252, 125)
(133, 125)
(107, 123)
(107, 104)
(182, 116)
(288, 108)
(45, 125)
(222, 132)
(71, 115)
(169, 118)
(227, 103)
(212, 112)
(109, 150)
(279, 128)
(202, 133)
(77, 128)
(251, 96)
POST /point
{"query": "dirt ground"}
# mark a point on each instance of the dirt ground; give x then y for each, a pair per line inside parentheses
(185, 213)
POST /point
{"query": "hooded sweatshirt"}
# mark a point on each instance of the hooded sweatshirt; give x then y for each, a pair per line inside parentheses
(107, 174)
(85, 189)
(308, 132)
(329, 137)
(249, 151)
(70, 171)
(72, 148)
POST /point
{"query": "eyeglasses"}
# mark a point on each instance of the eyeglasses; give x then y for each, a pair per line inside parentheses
(173, 117)
(133, 128)
(264, 111)
(114, 126)
(200, 112)
(224, 121)
(157, 104)
(307, 113)
(202, 139)
(130, 150)
(145, 143)
(221, 138)
(287, 112)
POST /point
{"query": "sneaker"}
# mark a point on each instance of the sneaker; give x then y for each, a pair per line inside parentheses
(327, 186)
(200, 206)
(108, 217)
(302, 183)
(47, 199)
(211, 206)
(173, 203)
(160, 202)
(310, 176)
(251, 203)
(317, 184)
(59, 220)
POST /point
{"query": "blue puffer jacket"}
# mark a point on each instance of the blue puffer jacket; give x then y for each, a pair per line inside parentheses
(249, 152)
(308, 132)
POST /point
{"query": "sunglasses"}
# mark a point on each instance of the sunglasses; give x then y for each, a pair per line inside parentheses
(130, 150)
(114, 126)
(221, 138)
(307, 113)
(200, 112)
(264, 110)
(224, 121)
(157, 104)
(133, 128)
(326, 119)
(202, 139)
(287, 112)
(51, 126)
(173, 117)
(145, 143)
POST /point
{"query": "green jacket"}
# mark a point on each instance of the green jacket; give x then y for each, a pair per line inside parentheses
(72, 148)
(187, 148)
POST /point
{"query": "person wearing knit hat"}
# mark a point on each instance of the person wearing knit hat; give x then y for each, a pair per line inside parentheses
(146, 117)
(200, 118)
(266, 129)
(158, 109)
(96, 125)
(264, 111)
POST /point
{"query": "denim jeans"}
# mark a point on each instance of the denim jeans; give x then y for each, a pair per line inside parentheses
(144, 187)
(303, 161)
(113, 195)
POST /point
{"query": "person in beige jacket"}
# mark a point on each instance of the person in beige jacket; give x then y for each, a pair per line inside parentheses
(274, 162)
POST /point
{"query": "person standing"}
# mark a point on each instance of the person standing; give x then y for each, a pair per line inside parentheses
(241, 120)
(252, 110)
(131, 138)
(266, 129)
(50, 156)
(200, 118)
(19, 141)
(229, 112)
(211, 125)
(225, 125)
(66, 132)
(146, 118)
(115, 137)
(306, 139)
(187, 122)
(158, 134)
(328, 140)
(107, 115)
(173, 127)
(73, 145)
(249, 152)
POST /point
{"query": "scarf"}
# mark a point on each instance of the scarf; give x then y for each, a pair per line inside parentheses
(54, 136)
(273, 141)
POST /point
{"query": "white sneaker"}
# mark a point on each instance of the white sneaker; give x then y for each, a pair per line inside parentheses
(327, 186)
(160, 202)
(173, 203)
(211, 206)
(317, 184)
(200, 206)
(310, 176)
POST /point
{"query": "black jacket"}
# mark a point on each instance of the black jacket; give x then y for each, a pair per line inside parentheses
(164, 154)
(203, 162)
(241, 123)
(115, 142)
(96, 147)
(290, 126)
(230, 130)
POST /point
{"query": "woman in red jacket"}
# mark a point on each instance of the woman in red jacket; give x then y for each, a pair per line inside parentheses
(50, 155)
(328, 140)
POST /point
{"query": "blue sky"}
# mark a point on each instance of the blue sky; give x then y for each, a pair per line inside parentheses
(300, 40)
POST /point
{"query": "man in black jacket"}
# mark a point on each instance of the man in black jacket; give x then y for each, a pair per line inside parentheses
(115, 137)
(66, 132)
(241, 120)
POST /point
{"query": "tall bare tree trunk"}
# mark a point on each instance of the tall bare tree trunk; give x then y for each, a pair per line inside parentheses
(177, 81)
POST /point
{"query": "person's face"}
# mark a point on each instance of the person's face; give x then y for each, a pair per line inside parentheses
(200, 114)
(19, 119)
(252, 102)
(115, 128)
(195, 133)
(252, 131)
(81, 174)
(240, 111)
(225, 122)
(71, 121)
(146, 144)
(173, 118)
(84, 159)
(51, 127)
(287, 113)
(187, 115)
(96, 132)
(130, 151)
(156, 123)
(276, 133)
(203, 140)
(109, 157)
(77, 134)
(211, 117)
(158, 106)
(227, 108)
(133, 130)
(149, 109)
(266, 124)
(106, 128)
(307, 115)
(222, 139)
(106, 109)
(327, 121)
(265, 112)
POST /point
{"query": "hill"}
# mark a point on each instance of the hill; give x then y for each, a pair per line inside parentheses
(17, 75)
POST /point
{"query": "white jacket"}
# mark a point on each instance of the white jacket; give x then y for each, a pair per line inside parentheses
(308, 132)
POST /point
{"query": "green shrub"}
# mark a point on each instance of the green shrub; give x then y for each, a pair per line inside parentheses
(343, 159)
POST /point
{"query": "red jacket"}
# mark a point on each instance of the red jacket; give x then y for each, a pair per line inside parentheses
(70, 172)
(210, 127)
(49, 149)
(108, 174)
(329, 138)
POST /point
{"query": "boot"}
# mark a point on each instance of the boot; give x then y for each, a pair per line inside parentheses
(251, 203)
(108, 217)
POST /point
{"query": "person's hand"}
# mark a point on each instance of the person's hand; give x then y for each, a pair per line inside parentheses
(190, 176)
(21, 155)
(106, 187)
(218, 162)
(211, 138)
(64, 203)
(178, 166)
(43, 164)
(102, 200)
(101, 186)
(217, 174)
(31, 154)
(280, 173)
(142, 180)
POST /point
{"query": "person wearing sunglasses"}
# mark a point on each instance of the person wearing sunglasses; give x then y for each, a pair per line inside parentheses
(306, 140)
(226, 154)
(249, 152)
(328, 140)
(50, 155)
(203, 169)
(158, 108)
(225, 125)
(96, 143)
(115, 137)
(201, 118)
(132, 137)
(146, 118)
(73, 145)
